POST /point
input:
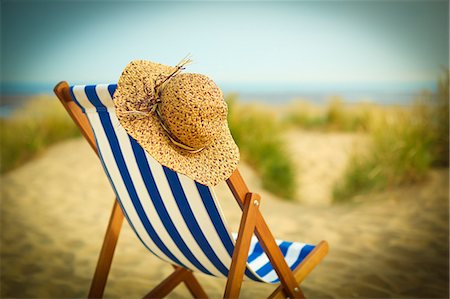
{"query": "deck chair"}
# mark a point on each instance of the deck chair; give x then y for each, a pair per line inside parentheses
(179, 220)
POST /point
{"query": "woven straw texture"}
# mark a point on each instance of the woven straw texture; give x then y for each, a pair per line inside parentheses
(191, 108)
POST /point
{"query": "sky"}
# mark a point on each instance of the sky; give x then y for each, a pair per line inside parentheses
(296, 43)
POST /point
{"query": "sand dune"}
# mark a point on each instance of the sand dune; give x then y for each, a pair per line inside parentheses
(54, 211)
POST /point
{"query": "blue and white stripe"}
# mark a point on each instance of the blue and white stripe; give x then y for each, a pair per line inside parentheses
(176, 218)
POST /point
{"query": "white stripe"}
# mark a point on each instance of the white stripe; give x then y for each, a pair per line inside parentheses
(82, 99)
(222, 214)
(270, 277)
(104, 96)
(253, 242)
(258, 262)
(294, 252)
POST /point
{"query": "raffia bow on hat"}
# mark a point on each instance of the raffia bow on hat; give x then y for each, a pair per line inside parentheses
(180, 119)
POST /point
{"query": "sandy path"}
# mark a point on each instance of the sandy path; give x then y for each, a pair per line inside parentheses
(321, 159)
(54, 211)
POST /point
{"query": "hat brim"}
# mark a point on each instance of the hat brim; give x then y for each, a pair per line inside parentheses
(213, 164)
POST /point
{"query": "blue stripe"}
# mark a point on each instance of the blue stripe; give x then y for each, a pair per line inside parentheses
(303, 254)
(117, 152)
(155, 196)
(214, 215)
(93, 98)
(112, 89)
(191, 221)
(221, 230)
(257, 251)
(268, 266)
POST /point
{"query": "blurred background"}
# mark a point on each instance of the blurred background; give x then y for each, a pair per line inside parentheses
(340, 110)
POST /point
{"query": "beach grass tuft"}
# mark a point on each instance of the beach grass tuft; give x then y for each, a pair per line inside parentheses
(440, 122)
(40, 122)
(400, 153)
(258, 135)
(406, 143)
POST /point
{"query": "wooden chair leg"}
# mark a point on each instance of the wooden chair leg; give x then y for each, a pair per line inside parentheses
(193, 286)
(266, 239)
(107, 252)
(240, 253)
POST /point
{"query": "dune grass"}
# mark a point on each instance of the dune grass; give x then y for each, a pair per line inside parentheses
(405, 144)
(41, 122)
(258, 135)
(440, 123)
(400, 154)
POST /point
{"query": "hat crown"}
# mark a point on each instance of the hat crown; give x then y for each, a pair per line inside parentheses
(193, 109)
(178, 119)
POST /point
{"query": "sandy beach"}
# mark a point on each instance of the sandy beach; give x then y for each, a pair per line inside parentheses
(395, 244)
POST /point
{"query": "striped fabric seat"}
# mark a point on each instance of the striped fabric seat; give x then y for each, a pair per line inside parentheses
(177, 219)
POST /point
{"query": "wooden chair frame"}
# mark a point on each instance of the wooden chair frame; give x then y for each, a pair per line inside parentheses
(252, 221)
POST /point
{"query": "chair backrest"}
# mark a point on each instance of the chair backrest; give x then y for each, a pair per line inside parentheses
(176, 218)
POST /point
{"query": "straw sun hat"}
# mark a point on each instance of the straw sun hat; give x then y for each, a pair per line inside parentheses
(180, 119)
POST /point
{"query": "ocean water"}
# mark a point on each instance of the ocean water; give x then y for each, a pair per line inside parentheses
(10, 102)
(383, 94)
(381, 98)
